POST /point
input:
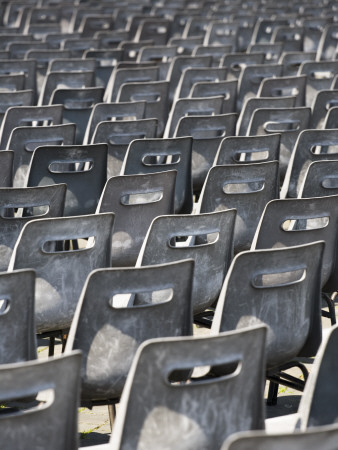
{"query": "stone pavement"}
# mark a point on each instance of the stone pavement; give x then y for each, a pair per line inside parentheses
(94, 426)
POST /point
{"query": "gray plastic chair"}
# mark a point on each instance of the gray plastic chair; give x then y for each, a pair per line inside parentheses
(60, 274)
(319, 77)
(135, 201)
(207, 133)
(51, 420)
(104, 324)
(323, 102)
(288, 222)
(77, 104)
(279, 288)
(20, 205)
(117, 135)
(191, 107)
(272, 51)
(251, 104)
(324, 438)
(192, 414)
(289, 122)
(215, 51)
(83, 168)
(320, 180)
(284, 87)
(192, 75)
(17, 116)
(210, 89)
(160, 155)
(327, 45)
(18, 339)
(25, 139)
(245, 187)
(312, 145)
(291, 61)
(12, 82)
(16, 98)
(235, 62)
(248, 149)
(27, 66)
(206, 238)
(102, 112)
(154, 93)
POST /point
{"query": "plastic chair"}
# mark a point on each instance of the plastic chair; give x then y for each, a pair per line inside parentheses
(281, 289)
(27, 67)
(159, 306)
(207, 133)
(83, 168)
(20, 205)
(289, 122)
(215, 51)
(220, 32)
(17, 116)
(291, 37)
(92, 23)
(284, 87)
(12, 82)
(16, 98)
(210, 89)
(24, 140)
(106, 60)
(318, 437)
(291, 61)
(206, 238)
(160, 155)
(312, 145)
(50, 420)
(60, 274)
(245, 187)
(327, 45)
(235, 62)
(135, 201)
(193, 75)
(102, 112)
(175, 408)
(320, 179)
(155, 94)
(117, 135)
(155, 28)
(18, 340)
(77, 106)
(191, 107)
(248, 149)
(324, 101)
(251, 104)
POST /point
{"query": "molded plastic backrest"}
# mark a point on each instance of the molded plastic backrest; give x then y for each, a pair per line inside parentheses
(283, 87)
(312, 145)
(15, 98)
(246, 187)
(60, 274)
(136, 200)
(24, 140)
(17, 116)
(193, 75)
(289, 222)
(319, 77)
(117, 135)
(83, 168)
(248, 149)
(291, 61)
(53, 423)
(102, 326)
(206, 238)
(27, 66)
(160, 155)
(321, 179)
(235, 62)
(161, 418)
(36, 202)
(102, 112)
(17, 321)
(323, 102)
(210, 89)
(281, 288)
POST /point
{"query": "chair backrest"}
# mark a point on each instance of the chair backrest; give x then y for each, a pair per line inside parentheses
(246, 187)
(251, 104)
(17, 319)
(24, 140)
(60, 274)
(291, 61)
(135, 201)
(27, 66)
(51, 421)
(319, 77)
(288, 222)
(210, 89)
(207, 133)
(159, 155)
(206, 238)
(15, 98)
(323, 102)
(289, 122)
(324, 438)
(281, 288)
(117, 135)
(161, 418)
(78, 104)
(17, 116)
(102, 112)
(105, 324)
(20, 205)
(193, 75)
(321, 179)
(82, 167)
(311, 145)
(235, 62)
(248, 149)
(284, 87)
